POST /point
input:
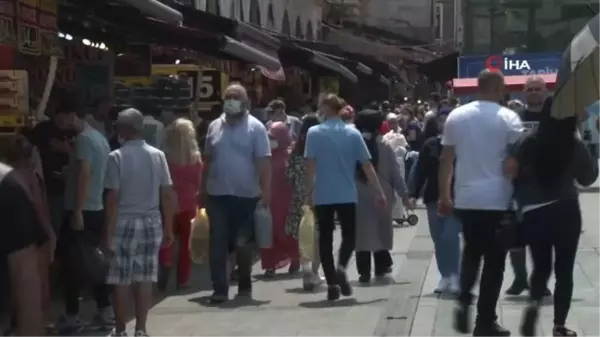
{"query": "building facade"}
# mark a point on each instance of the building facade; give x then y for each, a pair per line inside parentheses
(522, 26)
(297, 18)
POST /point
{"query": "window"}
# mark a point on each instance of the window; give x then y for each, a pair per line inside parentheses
(255, 13)
(299, 33)
(285, 24)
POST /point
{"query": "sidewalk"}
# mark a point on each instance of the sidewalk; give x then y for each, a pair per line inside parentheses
(413, 310)
(279, 306)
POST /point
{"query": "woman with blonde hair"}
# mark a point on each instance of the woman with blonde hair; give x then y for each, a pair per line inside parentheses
(185, 165)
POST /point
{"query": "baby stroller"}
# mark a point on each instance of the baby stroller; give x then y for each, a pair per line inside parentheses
(408, 219)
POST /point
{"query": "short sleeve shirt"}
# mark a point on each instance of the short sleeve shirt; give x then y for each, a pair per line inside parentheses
(92, 148)
(336, 149)
(481, 133)
(234, 150)
(137, 171)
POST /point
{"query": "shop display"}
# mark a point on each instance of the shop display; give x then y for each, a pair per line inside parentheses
(14, 98)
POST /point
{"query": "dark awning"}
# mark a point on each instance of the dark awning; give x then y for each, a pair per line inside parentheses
(350, 64)
(127, 24)
(158, 10)
(442, 69)
(293, 55)
(376, 65)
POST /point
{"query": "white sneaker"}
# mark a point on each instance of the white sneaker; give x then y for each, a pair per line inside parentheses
(115, 333)
(311, 280)
(454, 286)
(442, 285)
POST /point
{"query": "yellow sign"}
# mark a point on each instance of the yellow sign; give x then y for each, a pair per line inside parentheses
(329, 85)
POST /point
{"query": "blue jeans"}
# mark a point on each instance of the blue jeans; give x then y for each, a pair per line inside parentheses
(444, 232)
(231, 230)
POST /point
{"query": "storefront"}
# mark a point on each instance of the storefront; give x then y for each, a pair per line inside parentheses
(509, 65)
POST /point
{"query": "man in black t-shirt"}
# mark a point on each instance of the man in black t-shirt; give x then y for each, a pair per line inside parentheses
(536, 93)
(21, 234)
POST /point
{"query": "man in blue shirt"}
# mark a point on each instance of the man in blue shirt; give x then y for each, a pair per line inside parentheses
(237, 172)
(333, 149)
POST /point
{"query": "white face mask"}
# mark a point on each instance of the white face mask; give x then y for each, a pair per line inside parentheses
(274, 144)
(232, 107)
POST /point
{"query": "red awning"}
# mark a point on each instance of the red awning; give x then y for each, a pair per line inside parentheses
(466, 86)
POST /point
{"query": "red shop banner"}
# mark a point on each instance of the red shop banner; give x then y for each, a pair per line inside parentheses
(28, 31)
(47, 22)
(8, 35)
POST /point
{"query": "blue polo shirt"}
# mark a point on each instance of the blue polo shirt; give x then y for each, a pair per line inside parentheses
(234, 150)
(336, 148)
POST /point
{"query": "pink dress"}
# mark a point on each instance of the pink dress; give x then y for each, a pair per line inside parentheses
(285, 247)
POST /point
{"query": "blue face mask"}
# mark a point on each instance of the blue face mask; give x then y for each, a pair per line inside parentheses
(232, 107)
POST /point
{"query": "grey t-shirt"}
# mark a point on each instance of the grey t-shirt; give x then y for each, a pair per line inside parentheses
(137, 171)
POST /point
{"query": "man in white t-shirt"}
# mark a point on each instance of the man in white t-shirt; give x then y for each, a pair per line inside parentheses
(476, 136)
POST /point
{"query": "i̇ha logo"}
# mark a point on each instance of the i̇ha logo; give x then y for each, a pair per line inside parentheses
(499, 63)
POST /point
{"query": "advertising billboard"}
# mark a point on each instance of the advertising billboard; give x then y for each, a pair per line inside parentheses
(517, 64)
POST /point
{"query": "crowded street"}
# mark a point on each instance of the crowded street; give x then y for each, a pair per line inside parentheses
(401, 305)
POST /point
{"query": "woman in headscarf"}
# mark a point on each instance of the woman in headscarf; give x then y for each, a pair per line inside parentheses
(443, 230)
(296, 175)
(399, 144)
(545, 165)
(284, 251)
(374, 231)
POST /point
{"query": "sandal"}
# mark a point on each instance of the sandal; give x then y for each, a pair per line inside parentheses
(563, 331)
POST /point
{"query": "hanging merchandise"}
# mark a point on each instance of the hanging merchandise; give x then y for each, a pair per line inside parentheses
(47, 17)
(8, 36)
(28, 31)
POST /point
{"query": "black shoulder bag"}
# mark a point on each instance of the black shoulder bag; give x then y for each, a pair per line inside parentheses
(511, 233)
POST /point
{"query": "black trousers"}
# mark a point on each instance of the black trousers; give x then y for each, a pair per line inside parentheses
(325, 214)
(479, 233)
(383, 260)
(554, 228)
(93, 222)
(518, 261)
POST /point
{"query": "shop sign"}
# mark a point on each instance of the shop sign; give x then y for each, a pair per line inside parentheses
(28, 31)
(8, 36)
(517, 64)
(47, 17)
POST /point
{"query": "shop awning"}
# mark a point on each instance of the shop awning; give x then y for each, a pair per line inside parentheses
(466, 86)
(158, 10)
(296, 56)
(442, 69)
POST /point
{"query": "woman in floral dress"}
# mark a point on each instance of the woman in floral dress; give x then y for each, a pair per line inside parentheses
(295, 174)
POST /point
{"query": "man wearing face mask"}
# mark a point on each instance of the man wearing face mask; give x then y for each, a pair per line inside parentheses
(276, 113)
(237, 172)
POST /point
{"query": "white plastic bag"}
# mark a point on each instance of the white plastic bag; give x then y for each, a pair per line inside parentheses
(306, 234)
(263, 226)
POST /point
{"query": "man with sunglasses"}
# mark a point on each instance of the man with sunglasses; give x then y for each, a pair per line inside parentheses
(536, 93)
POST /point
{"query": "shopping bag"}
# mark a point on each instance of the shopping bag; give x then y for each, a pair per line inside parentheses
(91, 261)
(263, 226)
(199, 238)
(306, 234)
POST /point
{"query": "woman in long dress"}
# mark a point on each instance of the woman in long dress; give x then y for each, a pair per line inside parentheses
(296, 175)
(374, 230)
(284, 251)
(398, 142)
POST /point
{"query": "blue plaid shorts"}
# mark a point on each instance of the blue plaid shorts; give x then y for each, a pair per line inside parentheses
(136, 243)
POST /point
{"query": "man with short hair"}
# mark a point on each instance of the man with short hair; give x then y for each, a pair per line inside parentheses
(84, 213)
(475, 139)
(536, 93)
(138, 184)
(98, 115)
(276, 112)
(237, 173)
(535, 96)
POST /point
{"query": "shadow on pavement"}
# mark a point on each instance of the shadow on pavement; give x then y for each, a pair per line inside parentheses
(237, 302)
(278, 277)
(346, 302)
(300, 290)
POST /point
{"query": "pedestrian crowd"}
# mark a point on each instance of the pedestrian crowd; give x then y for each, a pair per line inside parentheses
(132, 184)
